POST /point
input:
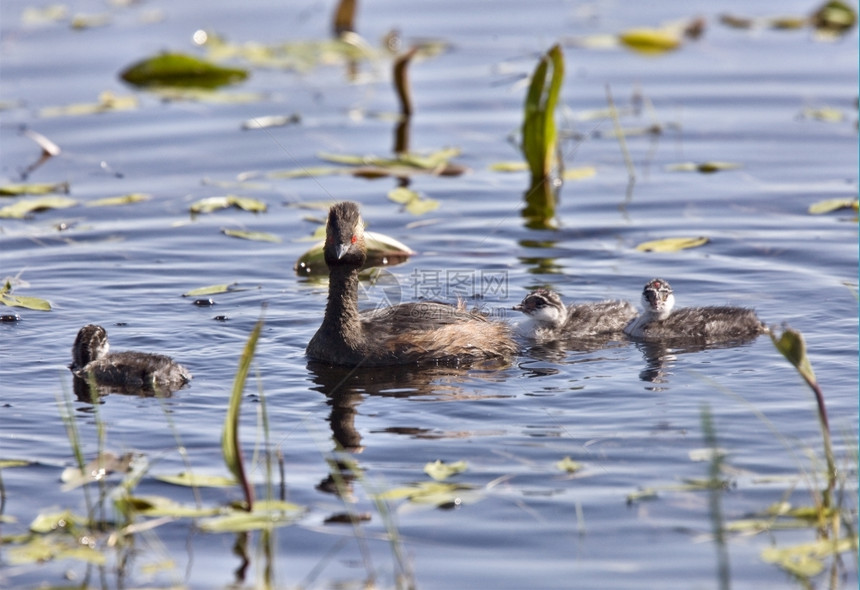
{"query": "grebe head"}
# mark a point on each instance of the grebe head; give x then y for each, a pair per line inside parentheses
(544, 306)
(344, 236)
(90, 344)
(658, 299)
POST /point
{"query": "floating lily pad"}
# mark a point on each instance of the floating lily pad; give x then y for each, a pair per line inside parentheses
(25, 207)
(257, 236)
(672, 244)
(181, 70)
(515, 166)
(120, 200)
(197, 480)
(34, 303)
(211, 290)
(580, 173)
(806, 560)
(441, 471)
(382, 250)
(703, 167)
(38, 188)
(433, 493)
(42, 548)
(830, 205)
(412, 201)
(210, 204)
(108, 101)
(161, 506)
(650, 41)
(569, 465)
(266, 515)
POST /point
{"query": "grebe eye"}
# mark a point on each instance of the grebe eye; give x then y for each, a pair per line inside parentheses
(354, 239)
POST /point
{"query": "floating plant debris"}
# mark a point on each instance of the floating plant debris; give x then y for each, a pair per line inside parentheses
(181, 70)
(672, 244)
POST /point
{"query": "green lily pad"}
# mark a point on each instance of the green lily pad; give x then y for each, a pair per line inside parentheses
(39, 188)
(830, 205)
(181, 70)
(257, 236)
(197, 480)
(210, 204)
(108, 101)
(441, 471)
(703, 167)
(569, 465)
(432, 493)
(650, 41)
(211, 290)
(25, 207)
(382, 250)
(266, 515)
(120, 200)
(34, 303)
(672, 244)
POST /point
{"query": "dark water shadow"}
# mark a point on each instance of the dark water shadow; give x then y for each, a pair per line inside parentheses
(91, 392)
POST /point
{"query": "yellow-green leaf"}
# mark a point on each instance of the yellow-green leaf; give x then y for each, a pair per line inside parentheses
(433, 493)
(4, 463)
(108, 101)
(569, 465)
(47, 522)
(172, 93)
(703, 167)
(512, 166)
(120, 200)
(421, 206)
(805, 560)
(382, 250)
(177, 69)
(672, 244)
(826, 114)
(44, 188)
(33, 303)
(197, 480)
(581, 173)
(793, 348)
(265, 515)
(441, 471)
(830, 205)
(257, 236)
(650, 41)
(161, 506)
(834, 18)
(40, 549)
(402, 195)
(25, 207)
(210, 204)
(210, 290)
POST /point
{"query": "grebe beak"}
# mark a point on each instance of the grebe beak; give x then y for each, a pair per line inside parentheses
(342, 249)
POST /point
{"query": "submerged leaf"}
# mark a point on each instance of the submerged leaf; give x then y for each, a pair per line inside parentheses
(650, 41)
(672, 244)
(257, 236)
(120, 200)
(43, 188)
(177, 69)
(25, 207)
(830, 205)
(441, 471)
(197, 480)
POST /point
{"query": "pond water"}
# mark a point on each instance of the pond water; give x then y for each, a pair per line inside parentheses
(633, 422)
